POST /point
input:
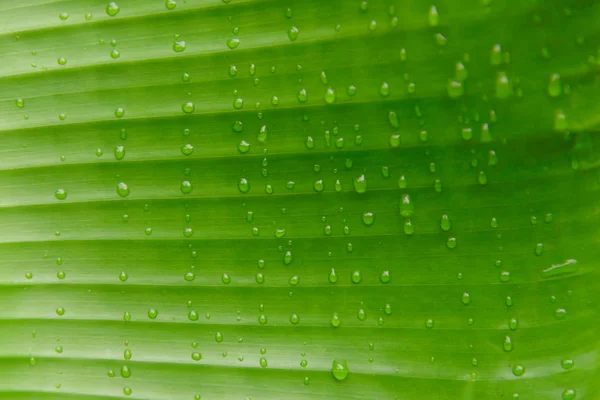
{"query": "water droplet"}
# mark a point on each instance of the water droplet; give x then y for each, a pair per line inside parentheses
(482, 178)
(360, 184)
(112, 9)
(504, 276)
(243, 147)
(226, 279)
(302, 96)
(60, 194)
(186, 187)
(555, 85)
(288, 258)
(361, 315)
(368, 218)
(507, 346)
(356, 277)
(170, 4)
(293, 33)
(179, 46)
(233, 43)
(429, 324)
(384, 90)
(188, 107)
(335, 320)
(339, 369)
(119, 152)
(189, 276)
(393, 119)
(196, 356)
(503, 86)
(496, 55)
(238, 103)
(445, 223)
(539, 249)
(434, 18)
(567, 364)
(451, 243)
(461, 73)
(294, 319)
(407, 208)
(332, 276)
(318, 185)
(122, 189)
(330, 95)
(568, 394)
(123, 276)
(152, 313)
(560, 121)
(385, 277)
(455, 89)
(466, 298)
(518, 370)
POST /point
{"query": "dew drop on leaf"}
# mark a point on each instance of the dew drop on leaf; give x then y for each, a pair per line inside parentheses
(339, 369)
(123, 189)
(112, 9)
(233, 43)
(60, 194)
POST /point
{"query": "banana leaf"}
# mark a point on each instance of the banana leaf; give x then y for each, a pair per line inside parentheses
(268, 199)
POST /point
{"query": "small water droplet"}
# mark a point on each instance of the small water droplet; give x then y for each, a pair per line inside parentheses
(123, 189)
(360, 184)
(179, 46)
(112, 9)
(188, 107)
(407, 208)
(60, 194)
(445, 223)
(507, 346)
(335, 320)
(233, 43)
(555, 87)
(339, 369)
(384, 90)
(332, 276)
(152, 313)
(293, 33)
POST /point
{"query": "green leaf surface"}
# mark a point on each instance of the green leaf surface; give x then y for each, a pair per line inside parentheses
(208, 199)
